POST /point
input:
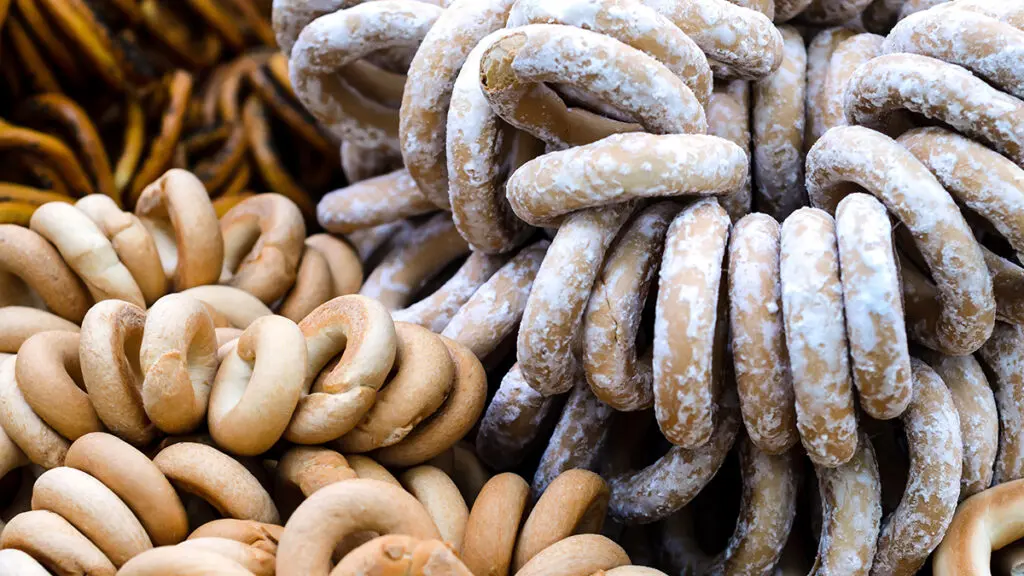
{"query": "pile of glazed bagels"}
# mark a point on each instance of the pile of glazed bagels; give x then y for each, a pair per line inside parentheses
(614, 284)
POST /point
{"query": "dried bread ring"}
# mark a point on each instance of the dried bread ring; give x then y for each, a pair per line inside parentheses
(461, 464)
(451, 421)
(1010, 12)
(31, 258)
(14, 561)
(554, 309)
(136, 481)
(257, 386)
(812, 304)
(740, 38)
(217, 478)
(1000, 355)
(847, 56)
(55, 543)
(345, 508)
(431, 78)
(930, 33)
(262, 245)
(401, 554)
(361, 331)
(493, 312)
(761, 361)
(132, 242)
(435, 311)
(310, 468)
(440, 497)
(50, 378)
(686, 327)
(169, 560)
(372, 201)
(426, 251)
(19, 323)
(239, 307)
(11, 457)
(983, 523)
(254, 560)
(612, 320)
(332, 42)
(939, 91)
(514, 420)
(40, 443)
(965, 292)
(728, 115)
(493, 523)
(176, 210)
(258, 535)
(916, 527)
(576, 442)
(777, 128)
(619, 169)
(574, 503)
(579, 555)
(329, 268)
(178, 357)
(819, 63)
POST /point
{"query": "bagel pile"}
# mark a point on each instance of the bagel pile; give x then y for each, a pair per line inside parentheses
(622, 287)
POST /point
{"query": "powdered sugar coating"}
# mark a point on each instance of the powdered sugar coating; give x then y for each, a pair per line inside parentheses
(289, 17)
(917, 525)
(614, 312)
(812, 305)
(873, 307)
(851, 500)
(979, 420)
(514, 420)
(435, 311)
(685, 374)
(427, 250)
(760, 358)
(548, 341)
(494, 310)
(368, 203)
(476, 140)
(940, 91)
(1003, 355)
(910, 192)
(428, 89)
(744, 40)
(632, 23)
(819, 56)
(648, 495)
(845, 60)
(1010, 12)
(577, 439)
(624, 167)
(987, 47)
(778, 131)
(333, 41)
(729, 117)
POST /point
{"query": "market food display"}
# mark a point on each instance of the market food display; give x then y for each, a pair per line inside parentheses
(511, 287)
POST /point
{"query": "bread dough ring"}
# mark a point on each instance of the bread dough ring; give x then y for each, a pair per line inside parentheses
(621, 168)
(257, 372)
(847, 57)
(55, 543)
(812, 304)
(986, 46)
(40, 443)
(398, 554)
(579, 555)
(742, 39)
(217, 478)
(728, 117)
(341, 509)
(435, 311)
(32, 259)
(853, 154)
(513, 422)
(310, 468)
(819, 57)
(983, 523)
(257, 535)
(361, 330)
(493, 312)
(440, 497)
(687, 351)
(176, 210)
(14, 561)
(1000, 356)
(431, 80)
(577, 440)
(778, 131)
(760, 357)
(917, 525)
(313, 286)
(371, 202)
(574, 503)
(263, 242)
(239, 307)
(332, 42)
(49, 376)
(425, 252)
(135, 480)
(554, 309)
(1009, 12)
(873, 307)
(493, 524)
(939, 91)
(19, 323)
(168, 560)
(612, 320)
(133, 244)
(254, 560)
